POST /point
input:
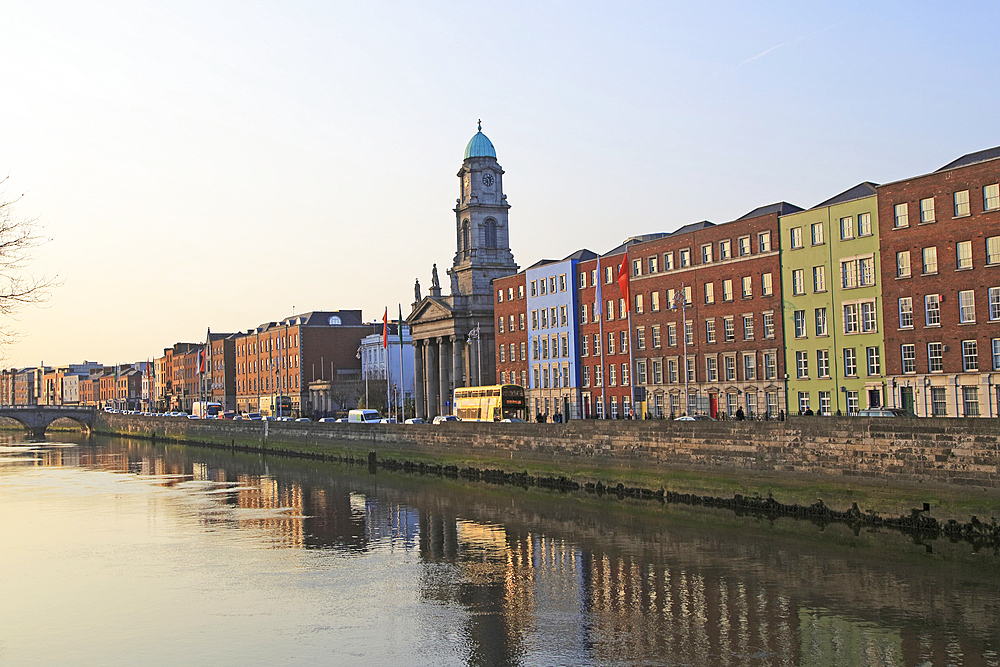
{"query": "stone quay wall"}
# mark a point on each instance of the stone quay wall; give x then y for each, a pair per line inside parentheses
(941, 450)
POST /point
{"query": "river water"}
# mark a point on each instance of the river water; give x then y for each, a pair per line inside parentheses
(117, 552)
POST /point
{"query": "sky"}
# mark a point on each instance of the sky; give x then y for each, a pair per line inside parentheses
(219, 165)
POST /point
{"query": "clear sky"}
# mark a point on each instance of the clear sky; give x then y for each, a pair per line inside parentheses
(222, 164)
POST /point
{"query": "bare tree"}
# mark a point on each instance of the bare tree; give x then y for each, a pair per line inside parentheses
(19, 238)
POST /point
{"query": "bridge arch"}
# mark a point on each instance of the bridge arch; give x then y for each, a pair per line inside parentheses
(37, 418)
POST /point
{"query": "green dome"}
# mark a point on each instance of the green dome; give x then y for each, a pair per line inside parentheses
(479, 146)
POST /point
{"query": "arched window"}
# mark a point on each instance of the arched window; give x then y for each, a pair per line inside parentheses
(490, 233)
(466, 242)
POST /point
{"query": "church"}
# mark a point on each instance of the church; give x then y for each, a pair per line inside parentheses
(454, 335)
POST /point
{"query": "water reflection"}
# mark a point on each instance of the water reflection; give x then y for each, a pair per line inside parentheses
(534, 579)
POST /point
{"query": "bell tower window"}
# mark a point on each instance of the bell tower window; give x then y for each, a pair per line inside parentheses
(490, 233)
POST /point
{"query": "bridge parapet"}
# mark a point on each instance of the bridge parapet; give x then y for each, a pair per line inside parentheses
(37, 418)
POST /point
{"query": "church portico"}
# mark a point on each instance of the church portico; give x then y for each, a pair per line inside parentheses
(454, 335)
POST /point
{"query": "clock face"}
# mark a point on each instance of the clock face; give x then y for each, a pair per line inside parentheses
(487, 179)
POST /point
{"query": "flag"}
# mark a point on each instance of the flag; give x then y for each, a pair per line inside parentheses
(401, 329)
(623, 278)
(385, 329)
(597, 295)
(201, 360)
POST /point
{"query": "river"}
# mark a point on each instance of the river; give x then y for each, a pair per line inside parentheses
(118, 552)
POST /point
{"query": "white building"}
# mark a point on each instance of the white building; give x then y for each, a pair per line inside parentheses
(379, 363)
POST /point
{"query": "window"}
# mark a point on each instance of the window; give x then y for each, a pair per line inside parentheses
(652, 263)
(727, 290)
(996, 353)
(874, 361)
(750, 366)
(966, 306)
(902, 218)
(865, 224)
(612, 375)
(586, 376)
(847, 227)
(909, 351)
(672, 335)
(711, 369)
(725, 249)
(640, 337)
(748, 327)
(654, 297)
(598, 376)
(609, 309)
(766, 287)
(961, 203)
(534, 320)
(709, 292)
(939, 401)
(963, 253)
(709, 331)
(622, 309)
(849, 274)
(903, 264)
(970, 355)
(520, 318)
(744, 242)
(611, 342)
(799, 318)
(545, 347)
(770, 365)
(819, 278)
(927, 210)
(500, 324)
(801, 365)
(706, 253)
(583, 279)
(850, 318)
(503, 354)
(729, 329)
(562, 282)
(935, 357)
(930, 260)
(850, 362)
(520, 291)
(685, 257)
(593, 277)
(796, 237)
(869, 321)
(769, 325)
(542, 287)
(821, 322)
(513, 352)
(932, 310)
(523, 351)
(584, 346)
(638, 304)
(583, 313)
(798, 286)
(803, 401)
(658, 372)
(817, 233)
(656, 337)
(625, 376)
(823, 363)
(970, 401)
(636, 267)
(565, 345)
(689, 332)
(534, 290)
(535, 349)
(995, 303)
(906, 312)
(500, 296)
(545, 318)
(764, 242)
(730, 367)
(668, 261)
(609, 274)
(747, 287)
(993, 250)
(640, 367)
(991, 197)
(597, 345)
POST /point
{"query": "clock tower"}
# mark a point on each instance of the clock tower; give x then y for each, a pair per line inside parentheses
(482, 239)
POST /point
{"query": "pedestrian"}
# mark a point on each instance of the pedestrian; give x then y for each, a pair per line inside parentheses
(739, 414)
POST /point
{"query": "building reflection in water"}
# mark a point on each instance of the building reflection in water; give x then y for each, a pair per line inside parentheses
(535, 594)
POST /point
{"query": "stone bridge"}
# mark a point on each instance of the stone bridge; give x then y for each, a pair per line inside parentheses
(36, 418)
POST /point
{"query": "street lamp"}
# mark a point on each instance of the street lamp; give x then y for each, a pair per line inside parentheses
(474, 336)
(683, 301)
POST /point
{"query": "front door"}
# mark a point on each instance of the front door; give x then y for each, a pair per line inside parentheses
(906, 398)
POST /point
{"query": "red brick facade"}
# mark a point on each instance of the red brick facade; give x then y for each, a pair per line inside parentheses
(511, 313)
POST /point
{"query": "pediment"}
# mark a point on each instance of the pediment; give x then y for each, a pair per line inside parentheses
(430, 309)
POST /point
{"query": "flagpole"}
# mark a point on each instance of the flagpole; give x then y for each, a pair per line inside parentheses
(402, 401)
(628, 304)
(600, 350)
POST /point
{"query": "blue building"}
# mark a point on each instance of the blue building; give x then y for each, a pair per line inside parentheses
(553, 374)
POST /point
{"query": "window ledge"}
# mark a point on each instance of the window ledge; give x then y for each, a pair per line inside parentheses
(964, 215)
(965, 268)
(904, 277)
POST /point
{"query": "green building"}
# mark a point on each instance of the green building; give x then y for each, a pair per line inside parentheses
(832, 305)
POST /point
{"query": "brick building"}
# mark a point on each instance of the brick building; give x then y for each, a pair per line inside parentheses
(512, 341)
(940, 247)
(281, 359)
(707, 322)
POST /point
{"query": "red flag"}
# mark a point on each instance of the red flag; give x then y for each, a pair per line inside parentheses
(385, 329)
(201, 360)
(623, 277)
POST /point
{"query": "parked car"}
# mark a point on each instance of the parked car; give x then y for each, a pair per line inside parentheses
(252, 416)
(303, 419)
(415, 420)
(329, 420)
(389, 420)
(268, 418)
(441, 419)
(885, 412)
(694, 418)
(514, 420)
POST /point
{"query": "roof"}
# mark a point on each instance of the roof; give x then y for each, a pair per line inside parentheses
(973, 158)
(693, 227)
(541, 262)
(581, 255)
(859, 191)
(480, 146)
(781, 208)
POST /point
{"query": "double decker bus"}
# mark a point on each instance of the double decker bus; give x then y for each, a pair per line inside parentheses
(490, 404)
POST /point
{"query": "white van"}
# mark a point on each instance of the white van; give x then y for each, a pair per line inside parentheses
(363, 417)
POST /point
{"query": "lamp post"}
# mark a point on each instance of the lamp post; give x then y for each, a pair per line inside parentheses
(474, 336)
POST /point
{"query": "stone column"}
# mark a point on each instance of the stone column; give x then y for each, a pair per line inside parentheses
(444, 362)
(418, 379)
(431, 359)
(457, 343)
